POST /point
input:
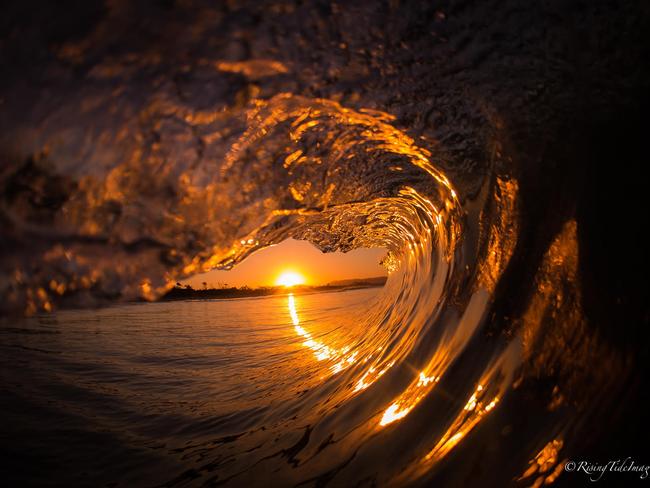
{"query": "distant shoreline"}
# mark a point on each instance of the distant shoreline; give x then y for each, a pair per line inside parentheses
(189, 293)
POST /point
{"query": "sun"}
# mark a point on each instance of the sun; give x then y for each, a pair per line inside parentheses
(290, 278)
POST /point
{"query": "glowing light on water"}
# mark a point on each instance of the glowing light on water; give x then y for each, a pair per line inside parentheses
(475, 408)
(438, 364)
(485, 397)
(294, 314)
(321, 351)
(370, 376)
(546, 465)
(394, 413)
(342, 358)
(425, 380)
(410, 399)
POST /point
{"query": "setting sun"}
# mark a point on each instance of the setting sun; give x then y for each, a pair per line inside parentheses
(290, 278)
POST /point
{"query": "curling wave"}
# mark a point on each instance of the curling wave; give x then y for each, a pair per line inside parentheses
(430, 369)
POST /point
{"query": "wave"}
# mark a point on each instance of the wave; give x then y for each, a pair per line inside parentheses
(430, 369)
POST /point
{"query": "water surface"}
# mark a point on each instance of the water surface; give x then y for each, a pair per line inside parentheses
(163, 392)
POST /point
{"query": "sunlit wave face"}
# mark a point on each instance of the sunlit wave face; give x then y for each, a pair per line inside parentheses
(290, 278)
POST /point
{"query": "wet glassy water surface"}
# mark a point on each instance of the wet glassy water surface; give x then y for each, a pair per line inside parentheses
(172, 391)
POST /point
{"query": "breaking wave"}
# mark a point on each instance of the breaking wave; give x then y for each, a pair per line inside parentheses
(205, 189)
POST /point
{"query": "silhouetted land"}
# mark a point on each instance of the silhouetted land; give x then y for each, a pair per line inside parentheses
(188, 293)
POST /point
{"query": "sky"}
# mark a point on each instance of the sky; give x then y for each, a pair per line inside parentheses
(264, 267)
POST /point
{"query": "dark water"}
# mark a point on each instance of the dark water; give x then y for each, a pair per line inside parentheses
(167, 393)
(284, 390)
(495, 149)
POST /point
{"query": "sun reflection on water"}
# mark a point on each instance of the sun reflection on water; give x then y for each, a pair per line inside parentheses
(321, 351)
(343, 357)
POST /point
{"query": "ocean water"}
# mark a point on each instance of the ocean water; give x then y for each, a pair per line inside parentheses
(169, 392)
(490, 148)
(453, 368)
(280, 390)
